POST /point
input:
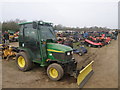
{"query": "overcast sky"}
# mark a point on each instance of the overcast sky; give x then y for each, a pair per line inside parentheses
(77, 13)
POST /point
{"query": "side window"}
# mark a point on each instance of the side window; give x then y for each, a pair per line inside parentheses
(21, 33)
(27, 28)
(21, 30)
(30, 33)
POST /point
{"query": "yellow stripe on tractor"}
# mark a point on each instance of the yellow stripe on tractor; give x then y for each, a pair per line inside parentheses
(54, 50)
(84, 74)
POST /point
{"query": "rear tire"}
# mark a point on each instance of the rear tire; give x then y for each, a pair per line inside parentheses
(55, 71)
(23, 62)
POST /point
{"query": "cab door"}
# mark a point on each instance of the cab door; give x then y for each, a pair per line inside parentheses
(31, 41)
(43, 46)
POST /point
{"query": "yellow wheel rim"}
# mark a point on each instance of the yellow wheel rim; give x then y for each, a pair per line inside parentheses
(21, 61)
(53, 72)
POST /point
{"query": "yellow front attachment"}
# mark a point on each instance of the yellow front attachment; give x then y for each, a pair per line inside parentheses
(8, 52)
(84, 72)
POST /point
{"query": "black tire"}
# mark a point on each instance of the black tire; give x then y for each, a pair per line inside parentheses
(59, 69)
(28, 63)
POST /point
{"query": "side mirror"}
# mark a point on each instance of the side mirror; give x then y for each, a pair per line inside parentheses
(34, 25)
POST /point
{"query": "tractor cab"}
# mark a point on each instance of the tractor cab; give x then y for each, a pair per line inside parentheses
(38, 39)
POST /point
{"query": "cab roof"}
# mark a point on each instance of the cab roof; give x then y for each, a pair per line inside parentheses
(25, 23)
(32, 22)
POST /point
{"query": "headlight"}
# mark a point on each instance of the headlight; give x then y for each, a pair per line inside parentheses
(68, 53)
(50, 54)
(72, 52)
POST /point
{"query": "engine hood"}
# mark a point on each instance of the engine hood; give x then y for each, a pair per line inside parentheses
(54, 47)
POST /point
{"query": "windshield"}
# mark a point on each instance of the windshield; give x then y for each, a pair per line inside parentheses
(47, 32)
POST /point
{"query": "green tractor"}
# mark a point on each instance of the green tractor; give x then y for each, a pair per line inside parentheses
(37, 44)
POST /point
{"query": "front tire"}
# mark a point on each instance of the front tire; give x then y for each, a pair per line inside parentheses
(23, 62)
(55, 71)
